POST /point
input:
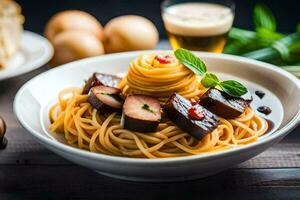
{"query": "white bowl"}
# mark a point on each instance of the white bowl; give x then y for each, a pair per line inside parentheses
(282, 95)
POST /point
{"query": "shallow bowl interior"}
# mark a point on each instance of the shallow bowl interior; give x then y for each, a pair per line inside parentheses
(34, 97)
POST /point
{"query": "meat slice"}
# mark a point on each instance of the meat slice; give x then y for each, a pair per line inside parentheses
(224, 105)
(194, 119)
(141, 113)
(98, 79)
(106, 99)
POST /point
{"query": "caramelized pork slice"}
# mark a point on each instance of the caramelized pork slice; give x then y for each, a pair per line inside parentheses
(224, 105)
(106, 99)
(141, 113)
(98, 79)
(194, 119)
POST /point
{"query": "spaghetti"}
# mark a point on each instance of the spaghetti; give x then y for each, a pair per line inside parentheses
(85, 128)
(146, 75)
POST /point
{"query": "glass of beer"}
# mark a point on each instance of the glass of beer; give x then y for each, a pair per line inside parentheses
(198, 25)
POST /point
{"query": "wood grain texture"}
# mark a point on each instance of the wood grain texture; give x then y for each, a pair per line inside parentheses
(30, 171)
(73, 182)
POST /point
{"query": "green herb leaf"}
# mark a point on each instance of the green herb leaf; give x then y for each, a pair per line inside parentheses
(147, 107)
(263, 17)
(242, 41)
(233, 88)
(264, 33)
(209, 80)
(244, 36)
(194, 63)
(191, 61)
(282, 52)
(265, 43)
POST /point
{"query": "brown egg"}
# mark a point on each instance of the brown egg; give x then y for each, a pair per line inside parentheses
(3, 140)
(73, 45)
(73, 20)
(2, 128)
(129, 33)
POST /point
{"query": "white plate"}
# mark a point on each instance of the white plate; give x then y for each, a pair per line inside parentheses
(34, 52)
(282, 89)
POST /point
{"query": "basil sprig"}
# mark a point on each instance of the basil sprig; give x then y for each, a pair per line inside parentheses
(195, 64)
(191, 61)
(210, 80)
(233, 88)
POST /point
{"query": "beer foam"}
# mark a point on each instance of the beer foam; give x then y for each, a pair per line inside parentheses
(198, 19)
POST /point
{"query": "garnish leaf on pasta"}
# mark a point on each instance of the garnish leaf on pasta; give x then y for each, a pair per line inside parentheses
(233, 88)
(209, 80)
(196, 65)
(191, 61)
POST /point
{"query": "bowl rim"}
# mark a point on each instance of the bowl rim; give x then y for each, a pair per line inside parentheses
(98, 156)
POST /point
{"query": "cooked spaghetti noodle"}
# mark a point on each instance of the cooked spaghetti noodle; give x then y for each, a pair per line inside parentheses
(148, 76)
(85, 128)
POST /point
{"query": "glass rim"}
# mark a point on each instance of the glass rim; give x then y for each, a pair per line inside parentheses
(167, 3)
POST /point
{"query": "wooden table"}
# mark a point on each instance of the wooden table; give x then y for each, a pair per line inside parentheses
(29, 171)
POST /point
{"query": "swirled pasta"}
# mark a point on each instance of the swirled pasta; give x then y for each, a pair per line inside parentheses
(146, 75)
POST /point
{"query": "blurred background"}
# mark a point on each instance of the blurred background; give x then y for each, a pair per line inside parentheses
(38, 12)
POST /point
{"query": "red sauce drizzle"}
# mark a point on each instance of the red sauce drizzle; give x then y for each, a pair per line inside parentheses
(194, 102)
(167, 59)
(196, 114)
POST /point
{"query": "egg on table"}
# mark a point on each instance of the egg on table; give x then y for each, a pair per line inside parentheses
(129, 33)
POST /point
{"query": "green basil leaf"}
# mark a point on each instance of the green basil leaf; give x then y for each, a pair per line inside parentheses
(263, 17)
(209, 80)
(233, 88)
(191, 61)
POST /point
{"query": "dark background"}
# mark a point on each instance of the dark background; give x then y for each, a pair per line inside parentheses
(37, 12)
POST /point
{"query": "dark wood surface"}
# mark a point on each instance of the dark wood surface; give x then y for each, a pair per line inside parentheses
(29, 171)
